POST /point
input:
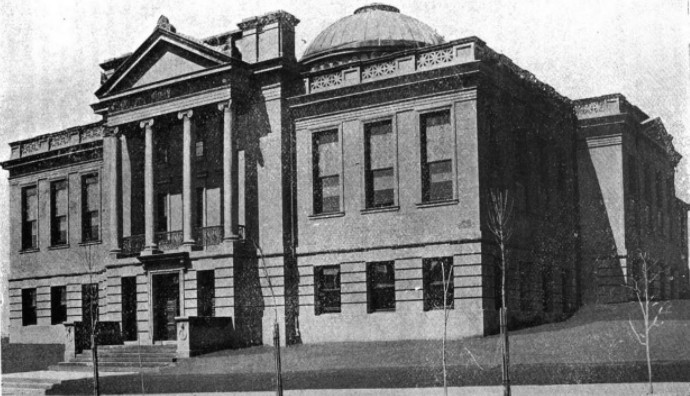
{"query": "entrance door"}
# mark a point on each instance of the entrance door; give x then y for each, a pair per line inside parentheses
(129, 308)
(166, 306)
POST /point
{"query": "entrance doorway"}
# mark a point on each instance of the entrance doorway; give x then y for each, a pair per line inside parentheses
(166, 306)
(129, 308)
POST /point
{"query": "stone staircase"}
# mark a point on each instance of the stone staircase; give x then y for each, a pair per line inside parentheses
(122, 358)
(27, 385)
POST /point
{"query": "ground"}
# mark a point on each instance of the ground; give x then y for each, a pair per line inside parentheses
(596, 345)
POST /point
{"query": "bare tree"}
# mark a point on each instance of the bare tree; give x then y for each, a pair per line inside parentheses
(88, 259)
(640, 288)
(276, 326)
(500, 214)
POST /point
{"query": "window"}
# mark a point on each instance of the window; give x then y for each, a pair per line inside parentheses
(379, 163)
(28, 307)
(58, 213)
(206, 286)
(633, 177)
(326, 167)
(91, 202)
(58, 304)
(435, 272)
(381, 286)
(162, 209)
(562, 171)
(327, 289)
(89, 303)
(547, 289)
(437, 156)
(199, 203)
(29, 218)
(199, 149)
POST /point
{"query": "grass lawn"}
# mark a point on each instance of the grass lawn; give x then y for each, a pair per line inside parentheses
(596, 345)
(595, 334)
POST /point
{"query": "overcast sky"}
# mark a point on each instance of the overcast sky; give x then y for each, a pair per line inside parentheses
(51, 50)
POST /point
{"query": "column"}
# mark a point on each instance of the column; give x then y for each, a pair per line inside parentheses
(187, 237)
(149, 242)
(111, 143)
(228, 165)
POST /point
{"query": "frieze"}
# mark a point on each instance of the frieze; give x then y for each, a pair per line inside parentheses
(259, 21)
(31, 147)
(92, 134)
(170, 92)
(60, 140)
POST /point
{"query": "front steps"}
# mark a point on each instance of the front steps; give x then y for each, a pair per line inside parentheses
(122, 358)
(27, 386)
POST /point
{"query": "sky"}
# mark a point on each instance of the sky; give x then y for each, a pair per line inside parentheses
(640, 48)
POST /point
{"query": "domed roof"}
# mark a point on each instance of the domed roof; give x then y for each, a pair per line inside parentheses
(376, 28)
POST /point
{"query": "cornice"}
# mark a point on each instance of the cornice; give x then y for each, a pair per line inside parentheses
(260, 21)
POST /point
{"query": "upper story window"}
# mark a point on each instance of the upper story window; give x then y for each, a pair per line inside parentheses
(437, 156)
(91, 203)
(58, 304)
(633, 178)
(162, 211)
(327, 285)
(659, 190)
(379, 163)
(326, 168)
(58, 213)
(438, 276)
(381, 286)
(648, 185)
(29, 218)
(199, 148)
(28, 307)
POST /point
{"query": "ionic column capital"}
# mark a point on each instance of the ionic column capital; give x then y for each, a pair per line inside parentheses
(146, 123)
(185, 114)
(114, 131)
(223, 106)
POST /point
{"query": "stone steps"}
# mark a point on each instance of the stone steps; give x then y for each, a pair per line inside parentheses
(120, 358)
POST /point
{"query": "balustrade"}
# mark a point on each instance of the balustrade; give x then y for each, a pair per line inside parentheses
(133, 245)
(207, 236)
(170, 240)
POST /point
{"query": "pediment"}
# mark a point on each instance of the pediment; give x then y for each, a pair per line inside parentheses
(163, 56)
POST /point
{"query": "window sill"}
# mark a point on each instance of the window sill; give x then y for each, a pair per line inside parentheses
(59, 247)
(326, 215)
(432, 204)
(87, 243)
(29, 250)
(382, 209)
(386, 310)
(327, 313)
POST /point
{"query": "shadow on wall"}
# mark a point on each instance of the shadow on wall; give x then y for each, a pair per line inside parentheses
(601, 275)
(249, 303)
(30, 357)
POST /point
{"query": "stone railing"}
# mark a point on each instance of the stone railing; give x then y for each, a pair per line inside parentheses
(438, 56)
(207, 236)
(132, 245)
(170, 240)
(57, 140)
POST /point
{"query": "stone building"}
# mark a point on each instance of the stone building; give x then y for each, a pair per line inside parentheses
(229, 183)
(628, 203)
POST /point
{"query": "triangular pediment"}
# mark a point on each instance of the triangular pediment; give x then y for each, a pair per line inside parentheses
(163, 56)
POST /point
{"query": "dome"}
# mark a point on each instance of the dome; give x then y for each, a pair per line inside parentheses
(373, 30)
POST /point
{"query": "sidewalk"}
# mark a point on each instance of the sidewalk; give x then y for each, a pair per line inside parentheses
(665, 388)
